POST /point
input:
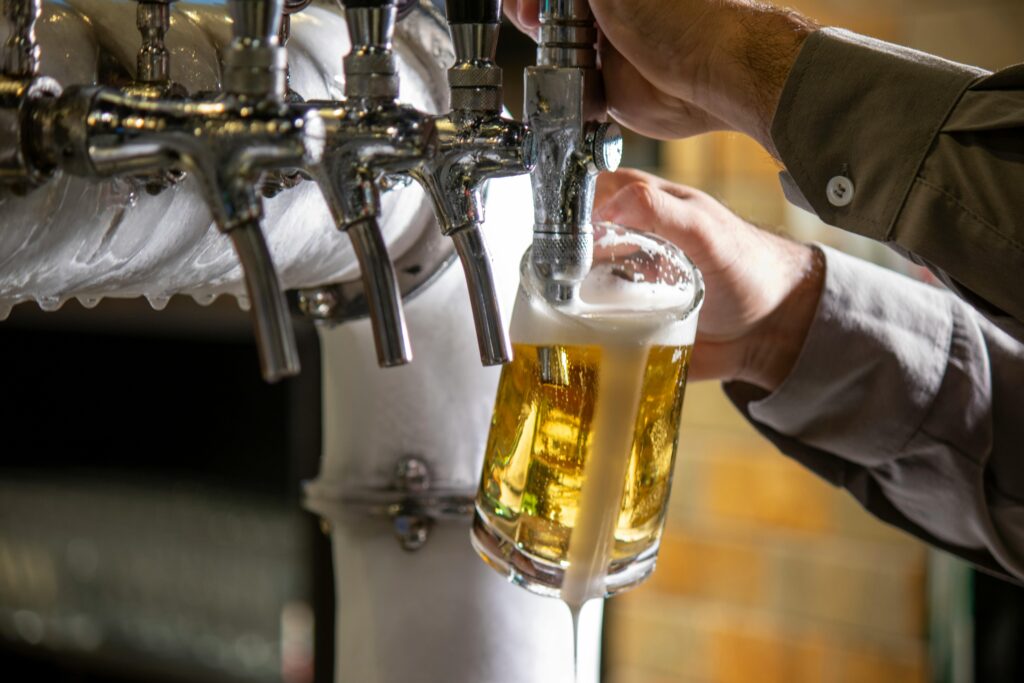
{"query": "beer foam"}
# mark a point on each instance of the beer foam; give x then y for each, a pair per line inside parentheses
(608, 311)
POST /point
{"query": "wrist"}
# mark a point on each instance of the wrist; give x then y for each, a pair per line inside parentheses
(771, 349)
(761, 46)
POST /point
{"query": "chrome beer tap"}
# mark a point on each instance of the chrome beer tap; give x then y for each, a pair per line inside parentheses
(475, 143)
(21, 89)
(369, 135)
(226, 142)
(565, 108)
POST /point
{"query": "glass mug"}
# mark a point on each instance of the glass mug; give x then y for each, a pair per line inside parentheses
(579, 458)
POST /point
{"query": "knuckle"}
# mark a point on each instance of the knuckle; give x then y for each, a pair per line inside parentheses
(644, 198)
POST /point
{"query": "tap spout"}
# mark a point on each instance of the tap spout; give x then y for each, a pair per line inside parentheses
(384, 302)
(491, 334)
(275, 338)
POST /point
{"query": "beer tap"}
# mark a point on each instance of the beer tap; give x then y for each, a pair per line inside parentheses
(565, 108)
(369, 135)
(226, 142)
(475, 143)
(21, 88)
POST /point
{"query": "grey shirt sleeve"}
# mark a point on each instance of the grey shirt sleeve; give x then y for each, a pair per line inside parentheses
(909, 399)
(934, 151)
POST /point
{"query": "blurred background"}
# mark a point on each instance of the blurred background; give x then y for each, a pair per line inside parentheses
(150, 525)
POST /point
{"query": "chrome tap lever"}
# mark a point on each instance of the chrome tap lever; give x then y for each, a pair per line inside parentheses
(475, 143)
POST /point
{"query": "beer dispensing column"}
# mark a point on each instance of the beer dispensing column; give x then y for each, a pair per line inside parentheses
(565, 107)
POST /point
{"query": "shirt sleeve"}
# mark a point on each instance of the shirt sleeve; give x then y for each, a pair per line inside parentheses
(928, 154)
(909, 399)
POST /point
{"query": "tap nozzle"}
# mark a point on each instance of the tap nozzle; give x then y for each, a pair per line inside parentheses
(275, 338)
(383, 300)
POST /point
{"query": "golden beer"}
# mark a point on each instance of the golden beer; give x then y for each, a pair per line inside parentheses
(542, 436)
(578, 463)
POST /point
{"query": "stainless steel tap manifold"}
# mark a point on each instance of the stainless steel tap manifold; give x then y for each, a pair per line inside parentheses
(227, 142)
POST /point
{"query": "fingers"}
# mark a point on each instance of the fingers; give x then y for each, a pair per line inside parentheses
(528, 12)
(525, 15)
(680, 214)
(608, 184)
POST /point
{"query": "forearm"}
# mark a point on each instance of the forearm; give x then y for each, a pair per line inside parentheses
(762, 44)
(907, 398)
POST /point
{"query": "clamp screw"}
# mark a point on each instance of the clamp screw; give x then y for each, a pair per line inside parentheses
(606, 146)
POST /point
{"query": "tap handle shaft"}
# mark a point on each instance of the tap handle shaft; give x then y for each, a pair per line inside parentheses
(383, 297)
(275, 338)
(491, 334)
(255, 64)
(21, 51)
(371, 4)
(153, 19)
(256, 22)
(473, 11)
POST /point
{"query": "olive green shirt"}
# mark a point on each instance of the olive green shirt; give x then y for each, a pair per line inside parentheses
(903, 394)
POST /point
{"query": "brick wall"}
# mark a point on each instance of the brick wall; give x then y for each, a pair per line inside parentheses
(766, 573)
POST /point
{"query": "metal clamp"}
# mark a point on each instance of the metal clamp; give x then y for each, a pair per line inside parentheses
(412, 503)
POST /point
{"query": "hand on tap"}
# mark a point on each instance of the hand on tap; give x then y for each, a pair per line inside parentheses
(675, 69)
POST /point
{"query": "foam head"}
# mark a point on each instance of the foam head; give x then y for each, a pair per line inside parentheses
(641, 290)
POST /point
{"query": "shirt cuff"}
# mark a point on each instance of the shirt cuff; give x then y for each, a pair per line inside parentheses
(855, 121)
(870, 367)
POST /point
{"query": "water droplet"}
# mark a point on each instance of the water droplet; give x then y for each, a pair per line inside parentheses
(89, 301)
(204, 299)
(243, 302)
(158, 301)
(5, 311)
(50, 303)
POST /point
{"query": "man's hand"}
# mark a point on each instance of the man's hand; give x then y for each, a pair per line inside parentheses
(675, 68)
(762, 289)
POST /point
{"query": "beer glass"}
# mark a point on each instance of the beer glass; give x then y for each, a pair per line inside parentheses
(579, 458)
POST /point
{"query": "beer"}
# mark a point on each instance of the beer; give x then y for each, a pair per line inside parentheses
(547, 427)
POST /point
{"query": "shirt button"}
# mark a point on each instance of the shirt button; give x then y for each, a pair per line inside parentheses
(840, 191)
